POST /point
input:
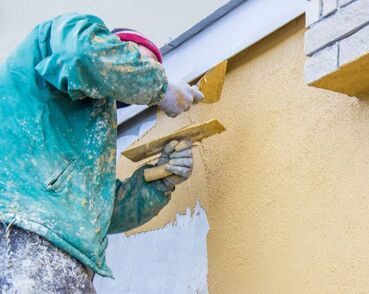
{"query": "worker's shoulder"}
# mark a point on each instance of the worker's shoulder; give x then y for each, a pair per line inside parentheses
(68, 19)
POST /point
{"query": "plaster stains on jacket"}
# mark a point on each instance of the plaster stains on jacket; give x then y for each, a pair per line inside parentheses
(58, 92)
(137, 202)
(31, 264)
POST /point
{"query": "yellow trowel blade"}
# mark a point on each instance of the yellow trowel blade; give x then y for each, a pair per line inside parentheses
(211, 84)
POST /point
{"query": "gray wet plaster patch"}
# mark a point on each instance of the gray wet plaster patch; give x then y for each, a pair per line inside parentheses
(172, 259)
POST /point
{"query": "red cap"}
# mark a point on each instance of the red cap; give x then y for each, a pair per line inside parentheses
(133, 36)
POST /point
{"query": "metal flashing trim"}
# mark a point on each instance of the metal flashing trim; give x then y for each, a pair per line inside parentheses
(201, 25)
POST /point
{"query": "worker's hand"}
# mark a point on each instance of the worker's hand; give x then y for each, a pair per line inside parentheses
(177, 157)
(179, 98)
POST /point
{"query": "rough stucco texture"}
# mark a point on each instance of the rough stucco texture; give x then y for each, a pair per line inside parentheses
(286, 187)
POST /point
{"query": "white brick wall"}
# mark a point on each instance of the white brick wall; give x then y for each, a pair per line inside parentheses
(332, 28)
(329, 6)
(344, 2)
(313, 11)
(338, 33)
(354, 46)
(322, 63)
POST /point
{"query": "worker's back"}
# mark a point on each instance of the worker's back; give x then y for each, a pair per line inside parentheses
(57, 154)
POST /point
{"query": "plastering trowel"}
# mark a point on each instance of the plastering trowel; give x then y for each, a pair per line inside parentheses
(211, 85)
(195, 133)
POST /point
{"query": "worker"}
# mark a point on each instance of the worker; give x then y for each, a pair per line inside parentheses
(59, 196)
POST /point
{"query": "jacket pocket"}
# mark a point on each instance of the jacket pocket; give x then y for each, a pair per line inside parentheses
(61, 177)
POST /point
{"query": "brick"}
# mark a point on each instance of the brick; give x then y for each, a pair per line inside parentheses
(354, 46)
(341, 24)
(329, 6)
(313, 11)
(321, 63)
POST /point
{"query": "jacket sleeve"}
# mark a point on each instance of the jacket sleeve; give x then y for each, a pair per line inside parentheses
(136, 202)
(86, 60)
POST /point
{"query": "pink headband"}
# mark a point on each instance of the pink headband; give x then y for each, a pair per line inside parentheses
(132, 36)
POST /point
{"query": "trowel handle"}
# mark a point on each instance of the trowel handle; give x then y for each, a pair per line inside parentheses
(156, 173)
(159, 172)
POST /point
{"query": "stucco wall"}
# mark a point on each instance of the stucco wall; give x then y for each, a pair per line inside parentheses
(286, 187)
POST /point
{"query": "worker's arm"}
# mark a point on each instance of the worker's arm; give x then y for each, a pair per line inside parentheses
(136, 201)
(86, 60)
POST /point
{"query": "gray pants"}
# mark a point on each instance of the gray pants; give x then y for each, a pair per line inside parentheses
(31, 264)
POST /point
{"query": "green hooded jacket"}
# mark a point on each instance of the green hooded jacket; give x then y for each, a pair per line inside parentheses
(58, 93)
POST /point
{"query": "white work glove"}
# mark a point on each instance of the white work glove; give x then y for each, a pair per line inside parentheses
(179, 98)
(178, 160)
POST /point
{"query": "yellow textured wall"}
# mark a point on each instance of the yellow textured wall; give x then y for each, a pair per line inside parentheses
(286, 188)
